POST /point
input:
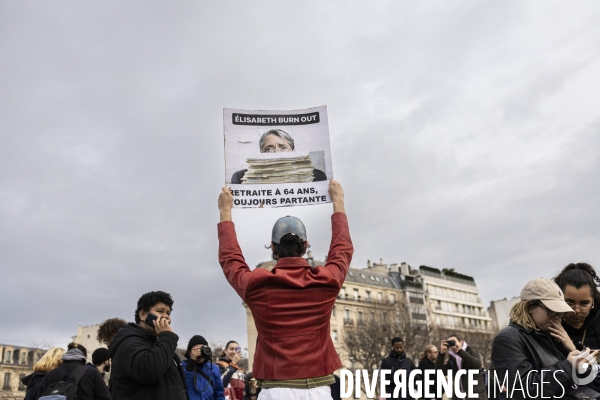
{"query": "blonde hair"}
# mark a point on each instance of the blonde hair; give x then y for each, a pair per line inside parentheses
(50, 360)
(519, 314)
(426, 350)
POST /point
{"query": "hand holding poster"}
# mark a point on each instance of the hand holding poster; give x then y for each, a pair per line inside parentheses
(277, 158)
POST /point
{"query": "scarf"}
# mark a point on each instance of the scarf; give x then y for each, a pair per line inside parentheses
(73, 355)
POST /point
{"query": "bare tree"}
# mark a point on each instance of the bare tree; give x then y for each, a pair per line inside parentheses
(42, 344)
(368, 342)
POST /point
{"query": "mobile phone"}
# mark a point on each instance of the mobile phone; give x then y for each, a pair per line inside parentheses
(238, 349)
(150, 319)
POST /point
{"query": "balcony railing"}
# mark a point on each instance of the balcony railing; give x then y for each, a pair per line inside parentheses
(348, 321)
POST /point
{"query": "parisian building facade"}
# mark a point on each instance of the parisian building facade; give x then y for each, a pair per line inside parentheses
(443, 299)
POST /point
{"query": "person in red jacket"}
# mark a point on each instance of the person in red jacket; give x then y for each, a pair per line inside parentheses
(292, 303)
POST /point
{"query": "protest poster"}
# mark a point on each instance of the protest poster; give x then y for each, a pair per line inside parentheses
(277, 158)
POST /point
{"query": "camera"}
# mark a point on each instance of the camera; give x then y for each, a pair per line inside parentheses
(451, 343)
(206, 352)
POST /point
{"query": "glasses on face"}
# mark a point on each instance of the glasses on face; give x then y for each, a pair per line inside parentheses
(554, 314)
(583, 307)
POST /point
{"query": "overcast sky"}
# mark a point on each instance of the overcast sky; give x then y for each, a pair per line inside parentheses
(466, 135)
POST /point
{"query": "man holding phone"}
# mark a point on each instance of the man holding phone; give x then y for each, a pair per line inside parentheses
(144, 363)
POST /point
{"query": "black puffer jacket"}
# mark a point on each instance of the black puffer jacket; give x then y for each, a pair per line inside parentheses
(32, 381)
(516, 350)
(424, 365)
(91, 386)
(394, 362)
(143, 365)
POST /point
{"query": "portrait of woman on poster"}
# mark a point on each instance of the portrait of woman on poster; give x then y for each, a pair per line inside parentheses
(276, 141)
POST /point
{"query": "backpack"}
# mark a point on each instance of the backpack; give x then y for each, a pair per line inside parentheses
(62, 390)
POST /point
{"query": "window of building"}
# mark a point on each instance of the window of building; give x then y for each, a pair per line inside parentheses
(377, 278)
(350, 273)
(360, 317)
(346, 314)
(8, 358)
(23, 357)
(372, 277)
(6, 381)
(355, 294)
(385, 280)
(392, 298)
(21, 386)
(368, 295)
(362, 276)
(334, 335)
(379, 296)
(333, 312)
(343, 292)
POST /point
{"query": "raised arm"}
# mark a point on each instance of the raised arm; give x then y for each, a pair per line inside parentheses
(230, 255)
(336, 193)
(340, 250)
(225, 204)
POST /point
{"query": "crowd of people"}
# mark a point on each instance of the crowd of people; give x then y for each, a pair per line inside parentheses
(552, 328)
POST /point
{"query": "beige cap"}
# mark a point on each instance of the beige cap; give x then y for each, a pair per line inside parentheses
(547, 292)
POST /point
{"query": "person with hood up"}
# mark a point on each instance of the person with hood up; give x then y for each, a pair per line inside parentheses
(91, 386)
(202, 377)
(395, 361)
(50, 360)
(144, 363)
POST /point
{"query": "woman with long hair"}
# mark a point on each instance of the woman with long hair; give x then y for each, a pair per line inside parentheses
(430, 353)
(524, 351)
(579, 284)
(49, 361)
(232, 375)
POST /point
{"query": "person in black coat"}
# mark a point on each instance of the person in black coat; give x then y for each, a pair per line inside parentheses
(91, 386)
(144, 363)
(427, 363)
(461, 357)
(50, 360)
(394, 361)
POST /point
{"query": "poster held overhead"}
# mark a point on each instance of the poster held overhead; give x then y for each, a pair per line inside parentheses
(277, 158)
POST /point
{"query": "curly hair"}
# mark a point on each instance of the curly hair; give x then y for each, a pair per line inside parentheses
(108, 329)
(578, 275)
(150, 299)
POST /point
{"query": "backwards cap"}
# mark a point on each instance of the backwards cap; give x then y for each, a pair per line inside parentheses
(288, 225)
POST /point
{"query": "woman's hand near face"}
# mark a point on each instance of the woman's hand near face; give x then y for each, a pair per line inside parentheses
(236, 357)
(558, 332)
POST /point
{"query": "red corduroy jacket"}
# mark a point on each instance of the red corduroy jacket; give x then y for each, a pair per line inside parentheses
(291, 305)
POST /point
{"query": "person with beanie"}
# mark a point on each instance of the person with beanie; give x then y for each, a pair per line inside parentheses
(91, 386)
(101, 361)
(202, 377)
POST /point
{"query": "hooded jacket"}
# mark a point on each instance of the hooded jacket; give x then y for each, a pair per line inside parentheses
(143, 365)
(32, 381)
(526, 352)
(91, 386)
(394, 362)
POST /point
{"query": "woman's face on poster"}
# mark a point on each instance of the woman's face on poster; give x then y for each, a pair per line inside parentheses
(275, 144)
